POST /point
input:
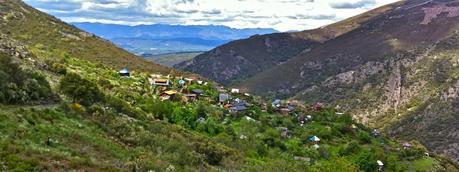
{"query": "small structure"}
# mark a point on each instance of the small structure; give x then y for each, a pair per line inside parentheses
(155, 76)
(189, 97)
(125, 72)
(201, 120)
(235, 90)
(220, 89)
(238, 108)
(407, 145)
(314, 139)
(197, 91)
(182, 82)
(237, 105)
(161, 82)
(376, 133)
(316, 146)
(380, 164)
(243, 137)
(302, 118)
(222, 97)
(249, 119)
(189, 80)
(168, 95)
(276, 103)
(318, 106)
(291, 107)
(285, 111)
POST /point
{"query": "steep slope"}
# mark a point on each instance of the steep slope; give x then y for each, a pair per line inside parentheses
(105, 122)
(242, 59)
(396, 65)
(172, 59)
(40, 31)
(126, 127)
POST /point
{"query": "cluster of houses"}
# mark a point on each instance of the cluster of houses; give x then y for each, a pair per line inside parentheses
(232, 100)
(234, 104)
(169, 88)
(285, 106)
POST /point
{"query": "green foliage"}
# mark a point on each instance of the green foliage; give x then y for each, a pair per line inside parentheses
(79, 89)
(18, 86)
(366, 161)
(336, 164)
(364, 137)
(350, 148)
(160, 109)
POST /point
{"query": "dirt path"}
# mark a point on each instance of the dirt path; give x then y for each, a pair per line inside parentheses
(13, 108)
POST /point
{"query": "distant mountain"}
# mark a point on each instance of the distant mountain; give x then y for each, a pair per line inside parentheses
(159, 38)
(396, 70)
(242, 59)
(65, 107)
(171, 59)
(24, 22)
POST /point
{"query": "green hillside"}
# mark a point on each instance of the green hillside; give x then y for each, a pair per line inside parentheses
(64, 108)
(108, 123)
(39, 30)
(398, 77)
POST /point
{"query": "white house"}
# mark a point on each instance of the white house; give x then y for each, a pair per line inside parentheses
(234, 90)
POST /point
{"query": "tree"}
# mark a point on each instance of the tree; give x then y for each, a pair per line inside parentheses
(80, 90)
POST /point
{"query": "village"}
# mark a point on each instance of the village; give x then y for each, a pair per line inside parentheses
(191, 89)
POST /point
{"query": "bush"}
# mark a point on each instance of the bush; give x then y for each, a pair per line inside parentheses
(351, 148)
(80, 90)
(367, 161)
(364, 137)
(18, 86)
(58, 68)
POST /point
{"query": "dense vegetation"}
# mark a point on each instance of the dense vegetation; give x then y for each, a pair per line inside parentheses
(107, 122)
(104, 122)
(18, 86)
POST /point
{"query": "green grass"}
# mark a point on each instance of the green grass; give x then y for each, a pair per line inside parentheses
(128, 128)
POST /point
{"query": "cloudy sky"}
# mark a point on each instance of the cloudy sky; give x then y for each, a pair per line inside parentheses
(283, 15)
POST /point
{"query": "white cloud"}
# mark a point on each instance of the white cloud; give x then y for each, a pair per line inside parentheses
(282, 15)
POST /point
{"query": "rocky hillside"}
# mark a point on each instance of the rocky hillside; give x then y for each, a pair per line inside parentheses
(242, 59)
(42, 32)
(398, 70)
(61, 111)
(106, 122)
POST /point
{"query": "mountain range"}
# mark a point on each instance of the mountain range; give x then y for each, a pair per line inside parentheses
(395, 68)
(73, 101)
(162, 39)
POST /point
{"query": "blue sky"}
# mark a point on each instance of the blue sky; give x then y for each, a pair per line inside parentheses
(283, 15)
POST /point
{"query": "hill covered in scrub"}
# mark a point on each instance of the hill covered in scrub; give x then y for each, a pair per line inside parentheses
(392, 70)
(108, 122)
(171, 59)
(154, 120)
(391, 75)
(242, 59)
(38, 30)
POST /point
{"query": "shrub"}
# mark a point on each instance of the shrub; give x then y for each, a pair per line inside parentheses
(351, 148)
(80, 90)
(58, 68)
(364, 137)
(18, 86)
